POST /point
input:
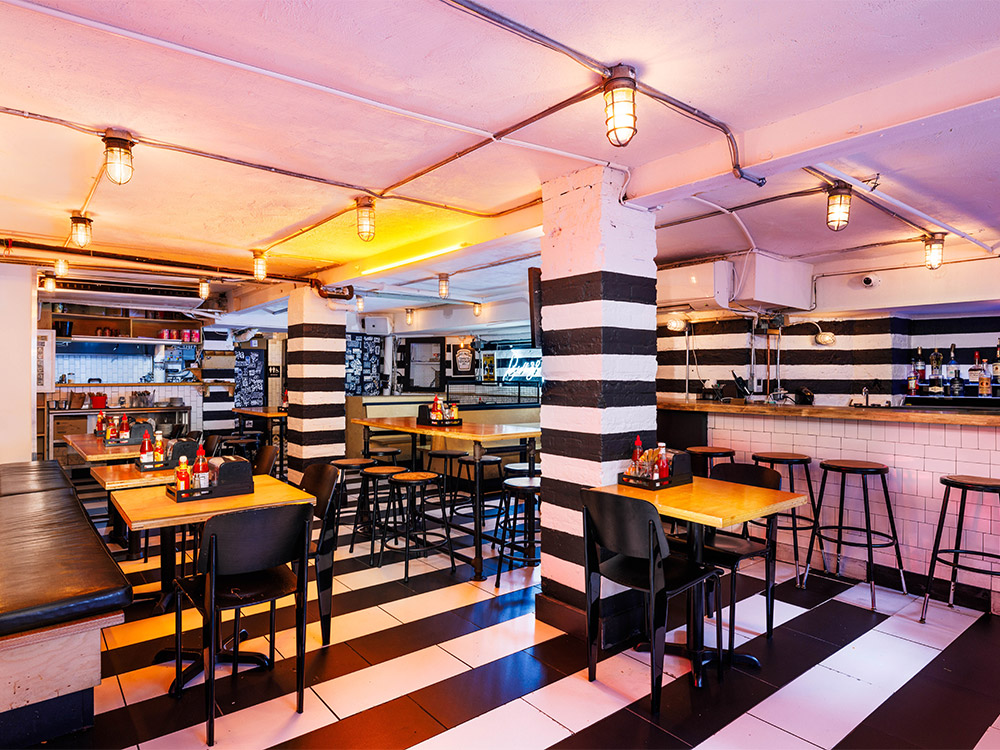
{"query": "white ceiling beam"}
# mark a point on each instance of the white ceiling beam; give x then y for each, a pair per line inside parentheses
(955, 94)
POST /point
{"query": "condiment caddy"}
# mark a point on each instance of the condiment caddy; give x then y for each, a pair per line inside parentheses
(656, 468)
(227, 476)
(438, 414)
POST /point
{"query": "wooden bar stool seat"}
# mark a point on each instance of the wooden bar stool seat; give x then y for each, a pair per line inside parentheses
(889, 538)
(794, 522)
(966, 484)
(408, 512)
(385, 455)
(520, 469)
(518, 518)
(368, 508)
(705, 455)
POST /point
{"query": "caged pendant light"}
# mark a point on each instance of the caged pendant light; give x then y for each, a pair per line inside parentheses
(477, 309)
(81, 231)
(619, 105)
(409, 316)
(360, 304)
(838, 205)
(444, 286)
(259, 265)
(934, 250)
(118, 155)
(61, 267)
(204, 290)
(366, 217)
(49, 284)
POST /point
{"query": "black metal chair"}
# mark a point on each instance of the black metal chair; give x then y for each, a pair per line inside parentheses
(212, 445)
(243, 560)
(729, 551)
(320, 481)
(263, 464)
(624, 542)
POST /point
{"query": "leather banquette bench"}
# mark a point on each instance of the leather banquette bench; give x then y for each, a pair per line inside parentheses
(58, 587)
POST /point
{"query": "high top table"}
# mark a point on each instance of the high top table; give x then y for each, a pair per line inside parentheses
(270, 414)
(478, 434)
(709, 503)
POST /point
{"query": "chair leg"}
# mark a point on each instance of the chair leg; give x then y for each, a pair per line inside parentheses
(179, 600)
(870, 569)
(593, 594)
(300, 651)
(273, 610)
(732, 610)
(717, 585)
(324, 590)
(208, 655)
(816, 533)
(770, 560)
(236, 640)
(895, 536)
(657, 639)
(934, 552)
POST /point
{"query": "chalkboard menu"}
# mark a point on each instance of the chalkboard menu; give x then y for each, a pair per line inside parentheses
(363, 365)
(250, 370)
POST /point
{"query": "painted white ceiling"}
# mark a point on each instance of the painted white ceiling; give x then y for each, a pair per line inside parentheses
(870, 86)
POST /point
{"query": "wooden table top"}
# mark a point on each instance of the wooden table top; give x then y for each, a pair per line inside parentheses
(264, 412)
(126, 477)
(151, 508)
(483, 433)
(91, 448)
(711, 502)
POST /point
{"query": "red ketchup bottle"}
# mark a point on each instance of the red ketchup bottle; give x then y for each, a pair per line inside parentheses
(662, 463)
(146, 449)
(99, 430)
(199, 474)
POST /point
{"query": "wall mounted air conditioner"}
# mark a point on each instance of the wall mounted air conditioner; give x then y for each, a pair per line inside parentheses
(705, 286)
(376, 325)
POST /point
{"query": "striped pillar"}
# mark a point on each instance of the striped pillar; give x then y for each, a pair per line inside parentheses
(599, 366)
(316, 344)
(217, 402)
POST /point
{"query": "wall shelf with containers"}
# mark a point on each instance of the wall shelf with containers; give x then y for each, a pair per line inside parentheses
(83, 324)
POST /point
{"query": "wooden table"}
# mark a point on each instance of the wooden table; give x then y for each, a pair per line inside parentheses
(478, 434)
(269, 413)
(127, 477)
(709, 503)
(150, 508)
(91, 448)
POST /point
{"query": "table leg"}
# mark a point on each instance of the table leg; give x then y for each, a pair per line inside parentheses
(168, 570)
(413, 452)
(477, 515)
(530, 551)
(696, 605)
(368, 441)
(282, 427)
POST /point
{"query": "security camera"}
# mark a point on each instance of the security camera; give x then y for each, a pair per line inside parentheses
(871, 281)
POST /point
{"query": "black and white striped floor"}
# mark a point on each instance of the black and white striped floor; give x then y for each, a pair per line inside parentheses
(443, 661)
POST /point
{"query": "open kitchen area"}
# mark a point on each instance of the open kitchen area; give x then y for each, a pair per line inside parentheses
(534, 374)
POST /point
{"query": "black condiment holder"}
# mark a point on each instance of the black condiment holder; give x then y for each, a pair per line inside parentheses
(235, 477)
(132, 439)
(680, 473)
(424, 418)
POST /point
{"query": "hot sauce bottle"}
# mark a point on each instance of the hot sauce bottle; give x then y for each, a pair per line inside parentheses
(183, 475)
(199, 474)
(158, 447)
(123, 426)
(146, 449)
(99, 430)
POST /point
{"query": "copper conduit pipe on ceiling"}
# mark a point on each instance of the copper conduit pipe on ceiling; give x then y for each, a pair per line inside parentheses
(194, 267)
(751, 204)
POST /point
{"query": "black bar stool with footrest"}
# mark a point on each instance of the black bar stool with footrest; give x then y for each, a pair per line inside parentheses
(704, 455)
(796, 523)
(384, 455)
(368, 502)
(519, 498)
(347, 467)
(407, 514)
(448, 457)
(520, 469)
(891, 539)
(966, 484)
(472, 466)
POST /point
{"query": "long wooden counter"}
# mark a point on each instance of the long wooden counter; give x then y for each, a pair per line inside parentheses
(979, 418)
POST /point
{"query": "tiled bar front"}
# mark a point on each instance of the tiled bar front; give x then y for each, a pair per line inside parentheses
(917, 456)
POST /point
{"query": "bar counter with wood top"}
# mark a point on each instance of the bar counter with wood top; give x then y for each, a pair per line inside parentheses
(918, 444)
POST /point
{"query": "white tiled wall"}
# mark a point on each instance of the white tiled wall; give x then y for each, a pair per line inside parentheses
(917, 456)
(109, 368)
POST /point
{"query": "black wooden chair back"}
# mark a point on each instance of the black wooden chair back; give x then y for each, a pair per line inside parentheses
(751, 474)
(263, 463)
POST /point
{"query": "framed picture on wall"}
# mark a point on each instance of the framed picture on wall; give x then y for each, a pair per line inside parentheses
(463, 361)
(45, 361)
(489, 367)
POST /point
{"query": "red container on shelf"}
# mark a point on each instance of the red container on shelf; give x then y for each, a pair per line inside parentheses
(163, 334)
(175, 334)
(186, 335)
(195, 336)
(99, 401)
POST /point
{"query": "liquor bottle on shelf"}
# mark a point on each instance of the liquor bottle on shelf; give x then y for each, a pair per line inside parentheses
(951, 369)
(935, 381)
(920, 367)
(996, 366)
(975, 370)
(912, 388)
(956, 386)
(985, 380)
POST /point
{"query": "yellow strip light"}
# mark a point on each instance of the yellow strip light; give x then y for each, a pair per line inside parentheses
(414, 259)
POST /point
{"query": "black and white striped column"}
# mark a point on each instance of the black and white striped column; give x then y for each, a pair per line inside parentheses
(598, 362)
(217, 401)
(316, 345)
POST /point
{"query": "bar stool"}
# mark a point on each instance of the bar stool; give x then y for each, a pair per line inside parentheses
(964, 483)
(706, 454)
(385, 455)
(368, 501)
(520, 469)
(448, 457)
(348, 466)
(863, 469)
(519, 499)
(469, 463)
(796, 523)
(406, 510)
